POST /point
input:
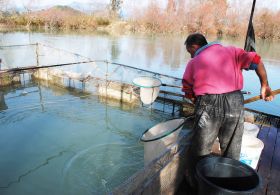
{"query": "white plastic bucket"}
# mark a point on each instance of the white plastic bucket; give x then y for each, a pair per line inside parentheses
(251, 129)
(158, 138)
(251, 150)
(149, 88)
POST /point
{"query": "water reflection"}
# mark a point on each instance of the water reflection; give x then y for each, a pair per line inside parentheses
(115, 51)
(150, 51)
(172, 51)
(163, 54)
(3, 105)
(270, 50)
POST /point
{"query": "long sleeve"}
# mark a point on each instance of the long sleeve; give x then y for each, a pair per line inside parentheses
(187, 82)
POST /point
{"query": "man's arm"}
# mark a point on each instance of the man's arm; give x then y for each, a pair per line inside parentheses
(265, 89)
(187, 88)
(187, 83)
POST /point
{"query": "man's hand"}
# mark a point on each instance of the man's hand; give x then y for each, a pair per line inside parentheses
(266, 93)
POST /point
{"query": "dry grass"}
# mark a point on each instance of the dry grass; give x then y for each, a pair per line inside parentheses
(59, 17)
(211, 17)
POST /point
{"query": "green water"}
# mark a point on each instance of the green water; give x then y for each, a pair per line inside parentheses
(56, 141)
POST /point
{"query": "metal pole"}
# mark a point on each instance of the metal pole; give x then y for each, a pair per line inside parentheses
(44, 66)
(250, 22)
(23, 45)
(252, 10)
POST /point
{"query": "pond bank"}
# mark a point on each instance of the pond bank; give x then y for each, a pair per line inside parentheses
(114, 28)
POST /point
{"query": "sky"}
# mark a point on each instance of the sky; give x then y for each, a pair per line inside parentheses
(47, 3)
(270, 4)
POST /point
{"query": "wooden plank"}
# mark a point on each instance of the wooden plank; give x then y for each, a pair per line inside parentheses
(170, 101)
(172, 93)
(264, 168)
(263, 132)
(262, 135)
(274, 182)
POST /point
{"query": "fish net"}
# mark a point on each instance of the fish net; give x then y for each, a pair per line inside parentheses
(24, 63)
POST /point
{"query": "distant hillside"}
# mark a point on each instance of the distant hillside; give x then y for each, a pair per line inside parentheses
(57, 11)
(64, 8)
(86, 7)
(89, 7)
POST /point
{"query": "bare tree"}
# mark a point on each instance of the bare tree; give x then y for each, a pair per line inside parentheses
(28, 7)
(30, 4)
(219, 12)
(115, 7)
(3, 6)
(171, 6)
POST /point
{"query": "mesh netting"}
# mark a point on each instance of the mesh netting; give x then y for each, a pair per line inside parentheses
(68, 69)
(17, 56)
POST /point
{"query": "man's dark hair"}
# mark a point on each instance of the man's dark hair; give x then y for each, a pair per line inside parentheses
(196, 39)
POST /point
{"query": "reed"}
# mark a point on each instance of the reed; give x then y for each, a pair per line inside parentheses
(210, 17)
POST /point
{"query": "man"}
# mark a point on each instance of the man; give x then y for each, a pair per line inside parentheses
(213, 80)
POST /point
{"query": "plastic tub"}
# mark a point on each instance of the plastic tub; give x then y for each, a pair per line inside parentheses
(217, 175)
(251, 129)
(251, 150)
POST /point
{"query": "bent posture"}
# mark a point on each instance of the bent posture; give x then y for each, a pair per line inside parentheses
(213, 80)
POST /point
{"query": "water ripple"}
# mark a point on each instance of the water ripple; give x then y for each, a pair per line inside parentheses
(47, 161)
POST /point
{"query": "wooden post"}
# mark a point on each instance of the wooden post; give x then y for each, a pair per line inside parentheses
(37, 54)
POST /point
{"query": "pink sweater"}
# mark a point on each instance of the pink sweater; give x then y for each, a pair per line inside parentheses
(216, 69)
